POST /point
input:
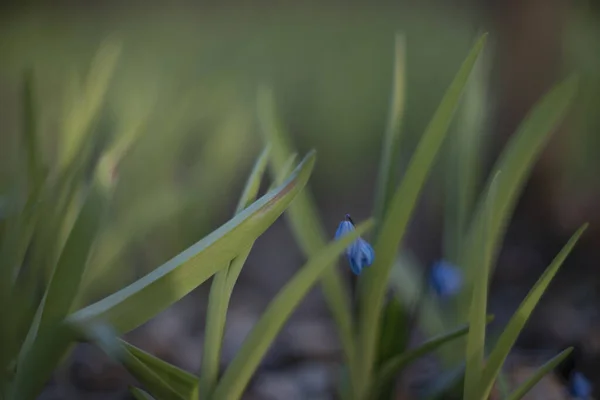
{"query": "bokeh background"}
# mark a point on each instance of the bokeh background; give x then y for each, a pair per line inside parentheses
(186, 82)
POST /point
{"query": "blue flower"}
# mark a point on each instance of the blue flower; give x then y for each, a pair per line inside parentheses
(360, 253)
(446, 279)
(579, 386)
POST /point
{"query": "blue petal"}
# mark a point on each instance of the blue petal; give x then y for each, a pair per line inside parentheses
(344, 228)
(361, 255)
(446, 279)
(580, 387)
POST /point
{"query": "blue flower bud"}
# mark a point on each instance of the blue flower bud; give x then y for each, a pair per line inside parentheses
(446, 279)
(360, 254)
(579, 386)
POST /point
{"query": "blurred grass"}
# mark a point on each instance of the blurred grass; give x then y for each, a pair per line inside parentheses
(186, 82)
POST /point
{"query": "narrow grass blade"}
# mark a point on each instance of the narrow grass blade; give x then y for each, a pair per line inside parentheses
(31, 143)
(158, 384)
(385, 178)
(516, 163)
(285, 170)
(395, 331)
(140, 301)
(397, 218)
(84, 110)
(394, 366)
(463, 160)
(304, 220)
(255, 346)
(221, 289)
(53, 203)
(163, 204)
(17, 302)
(253, 183)
(518, 320)
(475, 350)
(155, 383)
(19, 228)
(139, 394)
(67, 276)
(34, 370)
(539, 374)
(181, 381)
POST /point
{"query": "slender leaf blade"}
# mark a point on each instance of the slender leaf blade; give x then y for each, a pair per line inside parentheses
(397, 218)
(159, 387)
(306, 226)
(392, 367)
(138, 302)
(516, 163)
(520, 317)
(285, 170)
(385, 181)
(68, 273)
(221, 288)
(526, 386)
(395, 330)
(253, 183)
(87, 101)
(463, 160)
(183, 382)
(34, 370)
(158, 384)
(240, 371)
(475, 350)
(31, 142)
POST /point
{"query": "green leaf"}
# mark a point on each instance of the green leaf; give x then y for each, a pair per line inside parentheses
(184, 383)
(385, 178)
(139, 394)
(221, 289)
(375, 280)
(161, 205)
(66, 278)
(57, 299)
(156, 375)
(539, 374)
(304, 220)
(395, 333)
(475, 350)
(516, 163)
(464, 159)
(285, 170)
(253, 183)
(137, 303)
(18, 302)
(518, 320)
(85, 106)
(32, 148)
(34, 370)
(394, 366)
(18, 231)
(154, 382)
(255, 346)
